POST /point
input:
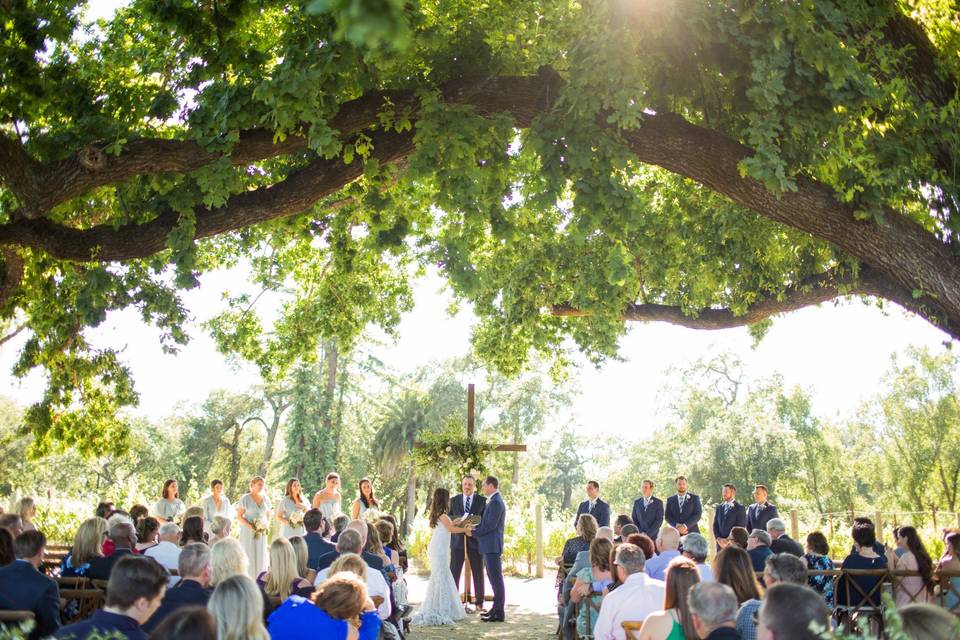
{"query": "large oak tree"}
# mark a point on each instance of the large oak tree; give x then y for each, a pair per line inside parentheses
(568, 166)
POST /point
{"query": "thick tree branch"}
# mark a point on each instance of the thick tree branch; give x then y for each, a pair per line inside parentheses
(12, 275)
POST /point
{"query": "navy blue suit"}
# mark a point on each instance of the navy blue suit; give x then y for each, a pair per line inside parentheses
(374, 562)
(477, 504)
(23, 588)
(182, 594)
(489, 535)
(101, 567)
(758, 556)
(317, 546)
(104, 624)
(725, 519)
(649, 519)
(601, 511)
(758, 517)
(689, 515)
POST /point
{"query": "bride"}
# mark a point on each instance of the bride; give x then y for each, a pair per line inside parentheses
(442, 603)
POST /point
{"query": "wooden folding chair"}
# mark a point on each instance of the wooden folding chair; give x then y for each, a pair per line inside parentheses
(13, 617)
(949, 590)
(868, 602)
(86, 602)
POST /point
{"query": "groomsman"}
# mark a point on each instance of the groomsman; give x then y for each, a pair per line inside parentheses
(760, 512)
(729, 514)
(594, 506)
(683, 510)
(467, 503)
(648, 511)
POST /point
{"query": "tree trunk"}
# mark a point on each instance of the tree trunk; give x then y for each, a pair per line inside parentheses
(567, 494)
(411, 510)
(234, 461)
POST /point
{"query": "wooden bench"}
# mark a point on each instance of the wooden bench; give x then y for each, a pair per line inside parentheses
(13, 616)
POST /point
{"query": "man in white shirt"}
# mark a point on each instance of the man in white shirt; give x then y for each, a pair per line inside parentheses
(635, 599)
(167, 551)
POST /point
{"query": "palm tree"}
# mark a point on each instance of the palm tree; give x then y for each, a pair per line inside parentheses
(403, 420)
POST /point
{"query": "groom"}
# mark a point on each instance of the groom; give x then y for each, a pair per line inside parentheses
(489, 535)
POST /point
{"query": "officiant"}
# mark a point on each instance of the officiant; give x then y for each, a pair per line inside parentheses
(466, 504)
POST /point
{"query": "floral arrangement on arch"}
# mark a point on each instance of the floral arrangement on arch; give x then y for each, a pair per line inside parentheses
(451, 451)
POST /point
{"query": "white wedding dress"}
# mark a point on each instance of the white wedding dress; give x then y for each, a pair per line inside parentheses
(442, 603)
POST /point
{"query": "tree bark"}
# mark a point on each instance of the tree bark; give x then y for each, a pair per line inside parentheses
(411, 511)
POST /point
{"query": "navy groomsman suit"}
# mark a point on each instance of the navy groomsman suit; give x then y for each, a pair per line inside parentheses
(600, 511)
(648, 517)
(489, 535)
(457, 510)
(726, 517)
(758, 515)
(687, 513)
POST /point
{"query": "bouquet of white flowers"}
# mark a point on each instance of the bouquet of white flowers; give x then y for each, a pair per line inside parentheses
(296, 518)
(372, 515)
(259, 527)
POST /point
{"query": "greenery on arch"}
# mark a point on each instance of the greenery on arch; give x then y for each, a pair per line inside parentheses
(448, 452)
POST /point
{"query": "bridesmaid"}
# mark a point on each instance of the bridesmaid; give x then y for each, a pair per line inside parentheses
(327, 500)
(254, 507)
(293, 501)
(215, 504)
(170, 507)
(365, 499)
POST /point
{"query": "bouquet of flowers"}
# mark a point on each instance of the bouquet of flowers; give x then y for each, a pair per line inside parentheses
(259, 527)
(372, 515)
(296, 518)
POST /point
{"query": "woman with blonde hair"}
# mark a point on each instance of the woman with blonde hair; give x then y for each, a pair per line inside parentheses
(237, 605)
(303, 555)
(377, 586)
(87, 547)
(291, 510)
(220, 529)
(674, 622)
(227, 558)
(27, 509)
(340, 601)
(283, 578)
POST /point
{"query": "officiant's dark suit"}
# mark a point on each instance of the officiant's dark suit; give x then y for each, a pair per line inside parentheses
(457, 510)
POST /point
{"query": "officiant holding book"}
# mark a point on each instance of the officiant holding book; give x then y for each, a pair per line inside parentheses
(466, 505)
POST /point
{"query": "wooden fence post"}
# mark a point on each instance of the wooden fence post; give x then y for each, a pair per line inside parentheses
(830, 517)
(539, 540)
(878, 523)
(794, 525)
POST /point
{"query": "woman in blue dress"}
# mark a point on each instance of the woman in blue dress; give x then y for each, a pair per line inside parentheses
(340, 598)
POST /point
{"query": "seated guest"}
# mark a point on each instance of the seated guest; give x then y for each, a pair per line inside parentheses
(695, 547)
(628, 530)
(104, 510)
(339, 526)
(27, 509)
(193, 531)
(12, 522)
(220, 529)
(668, 548)
(784, 567)
(137, 513)
(376, 583)
(116, 518)
(648, 511)
(588, 589)
(6, 547)
(618, 523)
(733, 567)
(713, 609)
(950, 562)
(134, 593)
(191, 623)
(237, 606)
(928, 622)
(738, 537)
(582, 562)
(864, 556)
(780, 541)
(586, 532)
(916, 559)
(24, 588)
(167, 551)
(643, 541)
(789, 611)
(637, 597)
(674, 622)
(760, 512)
(87, 547)
(818, 559)
(396, 543)
(879, 547)
(281, 579)
(360, 527)
(341, 598)
(758, 546)
(193, 588)
(385, 532)
(148, 533)
(302, 553)
(227, 558)
(317, 545)
(123, 539)
(375, 548)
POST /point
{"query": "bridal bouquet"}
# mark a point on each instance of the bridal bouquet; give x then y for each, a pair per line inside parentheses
(296, 518)
(259, 527)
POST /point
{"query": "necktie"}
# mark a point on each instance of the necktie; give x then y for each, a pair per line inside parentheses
(591, 507)
(680, 502)
(468, 503)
